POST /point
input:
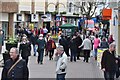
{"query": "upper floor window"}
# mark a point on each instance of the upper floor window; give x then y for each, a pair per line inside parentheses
(70, 7)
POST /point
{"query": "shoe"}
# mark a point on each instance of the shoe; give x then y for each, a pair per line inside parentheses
(38, 62)
(41, 63)
(51, 58)
(46, 55)
(78, 58)
(84, 60)
(34, 55)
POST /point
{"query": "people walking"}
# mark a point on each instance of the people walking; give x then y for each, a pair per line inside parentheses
(110, 39)
(41, 46)
(47, 39)
(50, 46)
(15, 68)
(78, 43)
(61, 65)
(45, 31)
(109, 62)
(87, 46)
(104, 44)
(63, 41)
(73, 48)
(25, 49)
(96, 45)
(33, 40)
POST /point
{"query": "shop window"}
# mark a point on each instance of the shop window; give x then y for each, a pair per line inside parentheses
(19, 17)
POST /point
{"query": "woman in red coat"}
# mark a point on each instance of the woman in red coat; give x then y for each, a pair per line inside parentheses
(50, 47)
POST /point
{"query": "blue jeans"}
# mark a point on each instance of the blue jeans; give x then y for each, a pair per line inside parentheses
(109, 75)
(40, 55)
(95, 52)
(73, 55)
(61, 76)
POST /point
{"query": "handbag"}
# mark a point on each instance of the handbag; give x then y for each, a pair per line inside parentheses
(53, 45)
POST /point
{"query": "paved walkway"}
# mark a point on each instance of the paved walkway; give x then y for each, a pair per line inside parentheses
(77, 69)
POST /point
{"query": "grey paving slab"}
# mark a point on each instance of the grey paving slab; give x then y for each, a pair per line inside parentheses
(77, 69)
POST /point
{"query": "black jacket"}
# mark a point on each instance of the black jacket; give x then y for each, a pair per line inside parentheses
(78, 41)
(104, 44)
(33, 39)
(108, 61)
(25, 49)
(19, 72)
(73, 44)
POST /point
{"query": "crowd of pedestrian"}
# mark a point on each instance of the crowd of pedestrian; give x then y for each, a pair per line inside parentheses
(69, 46)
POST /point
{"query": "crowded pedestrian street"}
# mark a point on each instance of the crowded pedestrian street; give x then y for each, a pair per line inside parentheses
(76, 70)
(59, 39)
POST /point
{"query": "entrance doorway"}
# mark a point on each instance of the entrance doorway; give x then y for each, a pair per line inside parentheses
(47, 24)
(5, 29)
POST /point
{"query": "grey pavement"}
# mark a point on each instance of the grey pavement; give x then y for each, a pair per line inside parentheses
(77, 69)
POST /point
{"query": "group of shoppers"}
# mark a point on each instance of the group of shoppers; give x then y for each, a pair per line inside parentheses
(75, 43)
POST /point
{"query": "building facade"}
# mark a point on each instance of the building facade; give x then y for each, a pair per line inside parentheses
(6, 16)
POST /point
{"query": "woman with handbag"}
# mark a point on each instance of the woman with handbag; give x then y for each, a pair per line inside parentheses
(50, 47)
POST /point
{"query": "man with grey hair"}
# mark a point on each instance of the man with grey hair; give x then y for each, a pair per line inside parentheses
(61, 65)
(15, 68)
(109, 62)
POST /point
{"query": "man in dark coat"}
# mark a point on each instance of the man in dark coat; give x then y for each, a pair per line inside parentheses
(33, 41)
(73, 48)
(41, 46)
(78, 43)
(15, 68)
(109, 63)
(63, 41)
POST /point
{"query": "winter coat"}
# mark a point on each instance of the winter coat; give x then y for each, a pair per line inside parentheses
(49, 45)
(25, 49)
(108, 61)
(41, 44)
(20, 71)
(61, 64)
(104, 44)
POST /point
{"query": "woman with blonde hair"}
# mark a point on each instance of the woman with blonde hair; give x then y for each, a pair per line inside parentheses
(25, 49)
